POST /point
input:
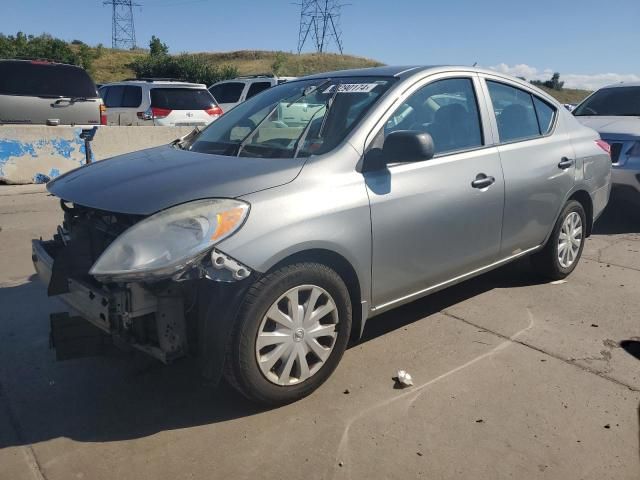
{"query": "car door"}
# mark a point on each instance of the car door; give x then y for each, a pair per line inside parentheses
(435, 220)
(537, 160)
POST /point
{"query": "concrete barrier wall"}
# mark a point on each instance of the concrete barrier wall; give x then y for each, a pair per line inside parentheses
(33, 153)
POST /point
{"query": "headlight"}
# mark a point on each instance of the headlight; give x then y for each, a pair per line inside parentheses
(169, 241)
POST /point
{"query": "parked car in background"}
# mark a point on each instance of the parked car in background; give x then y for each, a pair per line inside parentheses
(162, 102)
(614, 112)
(38, 92)
(264, 243)
(230, 93)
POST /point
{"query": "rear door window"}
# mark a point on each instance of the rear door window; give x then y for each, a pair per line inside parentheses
(181, 98)
(257, 87)
(514, 111)
(227, 92)
(43, 79)
(132, 96)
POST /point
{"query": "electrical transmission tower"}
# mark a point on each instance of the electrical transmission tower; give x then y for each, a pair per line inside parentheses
(320, 23)
(123, 34)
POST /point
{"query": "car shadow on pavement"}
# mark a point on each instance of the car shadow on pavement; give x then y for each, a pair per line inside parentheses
(619, 217)
(632, 347)
(96, 399)
(517, 274)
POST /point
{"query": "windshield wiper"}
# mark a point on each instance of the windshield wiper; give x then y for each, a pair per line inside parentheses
(305, 92)
(303, 135)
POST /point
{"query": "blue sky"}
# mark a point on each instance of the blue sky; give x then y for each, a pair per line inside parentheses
(585, 40)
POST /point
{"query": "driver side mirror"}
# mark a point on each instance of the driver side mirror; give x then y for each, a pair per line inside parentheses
(407, 146)
(402, 146)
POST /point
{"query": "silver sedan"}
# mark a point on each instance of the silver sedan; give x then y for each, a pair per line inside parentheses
(264, 243)
(614, 112)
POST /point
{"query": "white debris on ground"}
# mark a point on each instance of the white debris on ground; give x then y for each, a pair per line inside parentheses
(404, 379)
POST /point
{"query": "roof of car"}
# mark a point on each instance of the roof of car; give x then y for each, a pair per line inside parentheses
(158, 83)
(623, 84)
(402, 71)
(37, 61)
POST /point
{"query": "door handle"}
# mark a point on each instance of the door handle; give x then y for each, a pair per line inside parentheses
(565, 163)
(482, 181)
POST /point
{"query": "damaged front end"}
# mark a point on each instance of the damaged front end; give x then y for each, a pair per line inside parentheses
(142, 282)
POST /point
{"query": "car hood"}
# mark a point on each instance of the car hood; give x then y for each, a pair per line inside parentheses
(151, 180)
(619, 128)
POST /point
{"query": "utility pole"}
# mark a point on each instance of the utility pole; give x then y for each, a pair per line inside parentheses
(123, 35)
(320, 24)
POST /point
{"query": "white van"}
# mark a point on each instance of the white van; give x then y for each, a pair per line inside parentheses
(162, 102)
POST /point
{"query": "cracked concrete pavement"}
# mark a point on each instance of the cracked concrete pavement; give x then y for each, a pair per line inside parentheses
(513, 378)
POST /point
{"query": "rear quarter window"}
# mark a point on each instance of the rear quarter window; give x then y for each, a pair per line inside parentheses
(227, 92)
(182, 98)
(42, 79)
(257, 87)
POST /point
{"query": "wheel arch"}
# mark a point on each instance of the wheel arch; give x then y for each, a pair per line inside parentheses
(583, 197)
(342, 267)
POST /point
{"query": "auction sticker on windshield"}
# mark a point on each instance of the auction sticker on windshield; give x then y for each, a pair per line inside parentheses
(352, 88)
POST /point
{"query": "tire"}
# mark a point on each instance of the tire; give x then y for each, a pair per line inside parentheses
(548, 262)
(247, 366)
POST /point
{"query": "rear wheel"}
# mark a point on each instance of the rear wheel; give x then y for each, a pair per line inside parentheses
(290, 334)
(562, 252)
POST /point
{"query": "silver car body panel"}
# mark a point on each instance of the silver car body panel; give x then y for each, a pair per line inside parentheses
(621, 133)
(406, 231)
(423, 249)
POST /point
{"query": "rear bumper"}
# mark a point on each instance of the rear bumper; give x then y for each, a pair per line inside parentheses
(626, 176)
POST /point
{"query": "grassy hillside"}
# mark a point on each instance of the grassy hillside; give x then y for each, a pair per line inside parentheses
(568, 95)
(112, 65)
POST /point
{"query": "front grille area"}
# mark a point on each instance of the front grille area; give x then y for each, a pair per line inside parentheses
(85, 234)
(616, 148)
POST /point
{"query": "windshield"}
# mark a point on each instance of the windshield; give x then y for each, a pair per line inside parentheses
(295, 119)
(616, 101)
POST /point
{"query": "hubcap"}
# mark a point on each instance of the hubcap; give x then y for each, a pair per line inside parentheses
(570, 240)
(297, 335)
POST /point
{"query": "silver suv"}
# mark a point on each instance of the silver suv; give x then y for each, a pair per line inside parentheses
(264, 243)
(230, 93)
(46, 93)
(157, 101)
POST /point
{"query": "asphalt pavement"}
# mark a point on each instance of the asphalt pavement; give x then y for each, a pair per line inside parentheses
(514, 378)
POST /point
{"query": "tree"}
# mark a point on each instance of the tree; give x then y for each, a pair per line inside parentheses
(44, 47)
(553, 83)
(157, 48)
(279, 62)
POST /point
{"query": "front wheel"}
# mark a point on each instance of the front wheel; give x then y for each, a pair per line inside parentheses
(291, 332)
(562, 252)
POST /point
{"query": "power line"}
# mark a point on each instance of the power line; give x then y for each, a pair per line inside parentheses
(123, 32)
(320, 24)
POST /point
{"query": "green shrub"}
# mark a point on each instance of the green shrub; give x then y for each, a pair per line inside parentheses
(190, 68)
(45, 47)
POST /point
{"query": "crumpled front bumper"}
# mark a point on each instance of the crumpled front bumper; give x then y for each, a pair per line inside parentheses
(91, 303)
